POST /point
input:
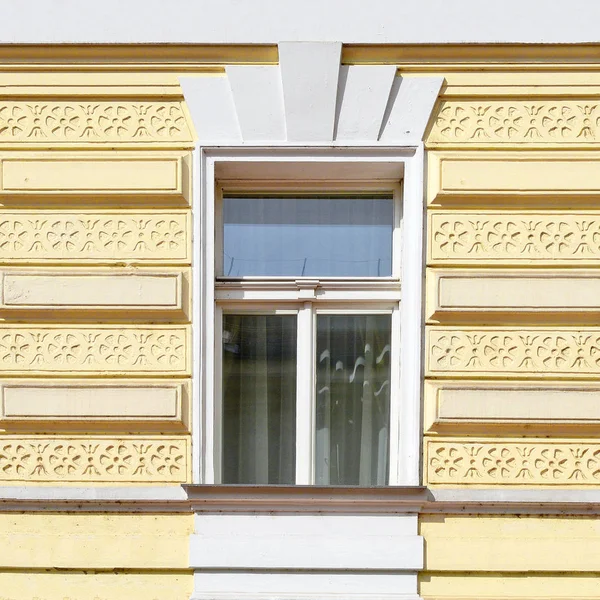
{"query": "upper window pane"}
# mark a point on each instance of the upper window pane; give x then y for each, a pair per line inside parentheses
(308, 236)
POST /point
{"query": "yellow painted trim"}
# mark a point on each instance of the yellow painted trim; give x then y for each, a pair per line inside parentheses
(94, 57)
(568, 57)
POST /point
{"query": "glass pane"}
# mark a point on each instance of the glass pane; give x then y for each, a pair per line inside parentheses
(259, 398)
(353, 399)
(307, 236)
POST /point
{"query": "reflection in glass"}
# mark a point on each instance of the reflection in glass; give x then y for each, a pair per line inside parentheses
(353, 399)
(259, 398)
(307, 236)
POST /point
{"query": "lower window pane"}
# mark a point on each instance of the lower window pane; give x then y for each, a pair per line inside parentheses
(353, 399)
(259, 398)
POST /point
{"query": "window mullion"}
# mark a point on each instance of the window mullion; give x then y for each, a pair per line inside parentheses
(305, 396)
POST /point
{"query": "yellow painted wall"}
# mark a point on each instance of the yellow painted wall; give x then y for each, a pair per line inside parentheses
(95, 182)
(510, 556)
(510, 399)
(95, 357)
(53, 556)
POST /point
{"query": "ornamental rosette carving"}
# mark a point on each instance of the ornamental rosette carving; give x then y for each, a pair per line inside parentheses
(523, 352)
(92, 350)
(506, 122)
(110, 237)
(94, 459)
(513, 463)
(93, 122)
(469, 236)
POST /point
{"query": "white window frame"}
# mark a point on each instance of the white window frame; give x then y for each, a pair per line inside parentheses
(382, 293)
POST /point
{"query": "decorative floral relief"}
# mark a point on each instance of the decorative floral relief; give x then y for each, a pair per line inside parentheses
(93, 459)
(99, 236)
(93, 349)
(513, 463)
(499, 351)
(510, 122)
(497, 236)
(93, 122)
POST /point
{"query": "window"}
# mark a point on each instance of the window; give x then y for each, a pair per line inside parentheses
(301, 360)
(306, 355)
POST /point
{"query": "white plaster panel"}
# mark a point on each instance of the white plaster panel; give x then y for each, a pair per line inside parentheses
(309, 73)
(268, 21)
(306, 542)
(215, 525)
(258, 99)
(210, 102)
(296, 586)
(363, 94)
(413, 99)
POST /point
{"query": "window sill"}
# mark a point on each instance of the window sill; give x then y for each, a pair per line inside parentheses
(310, 499)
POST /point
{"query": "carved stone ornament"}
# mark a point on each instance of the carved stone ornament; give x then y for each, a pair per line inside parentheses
(471, 236)
(93, 122)
(94, 459)
(523, 352)
(527, 462)
(93, 350)
(516, 122)
(89, 236)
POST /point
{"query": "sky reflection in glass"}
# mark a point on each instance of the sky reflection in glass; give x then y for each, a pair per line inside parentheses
(307, 236)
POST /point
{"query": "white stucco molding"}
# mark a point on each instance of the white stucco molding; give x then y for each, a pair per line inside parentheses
(305, 542)
(309, 99)
(267, 21)
(207, 499)
(308, 110)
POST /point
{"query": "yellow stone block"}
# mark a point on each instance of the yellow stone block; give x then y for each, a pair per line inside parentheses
(94, 541)
(523, 407)
(458, 177)
(89, 585)
(508, 586)
(90, 405)
(484, 295)
(140, 293)
(504, 543)
(148, 176)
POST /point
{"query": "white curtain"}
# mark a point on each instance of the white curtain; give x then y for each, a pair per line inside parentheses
(259, 398)
(353, 399)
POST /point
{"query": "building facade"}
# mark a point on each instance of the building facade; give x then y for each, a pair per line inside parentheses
(389, 392)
